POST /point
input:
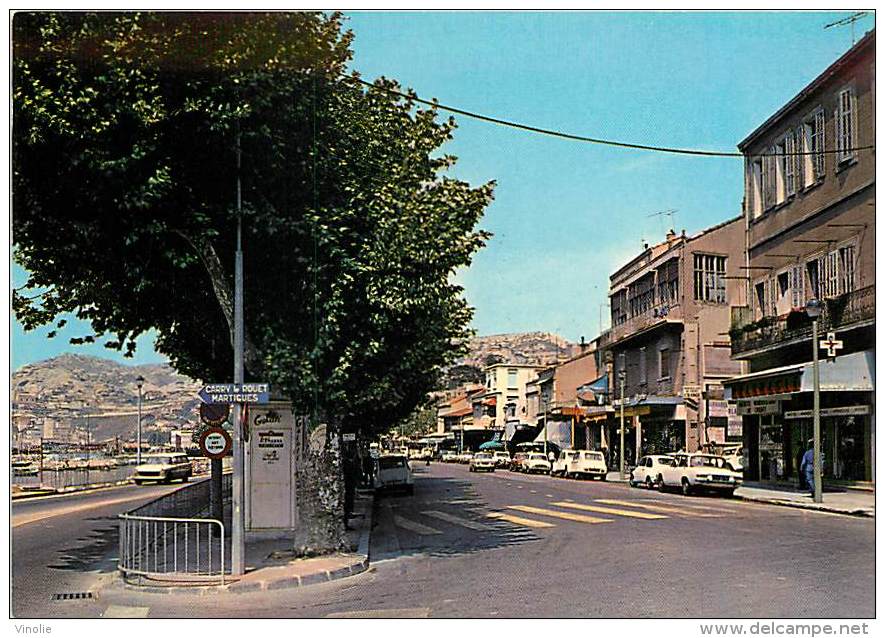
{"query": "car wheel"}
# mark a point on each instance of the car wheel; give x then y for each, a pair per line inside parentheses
(602, 477)
(565, 474)
(660, 482)
(184, 479)
(649, 484)
(138, 481)
(686, 487)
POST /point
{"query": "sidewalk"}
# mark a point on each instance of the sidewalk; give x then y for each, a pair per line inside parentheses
(853, 502)
(271, 566)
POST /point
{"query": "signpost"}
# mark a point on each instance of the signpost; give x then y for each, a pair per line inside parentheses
(216, 442)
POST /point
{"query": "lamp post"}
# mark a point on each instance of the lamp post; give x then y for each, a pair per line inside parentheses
(813, 309)
(139, 381)
(622, 377)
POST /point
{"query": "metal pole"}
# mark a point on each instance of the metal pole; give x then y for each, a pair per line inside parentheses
(545, 429)
(623, 380)
(138, 437)
(238, 541)
(818, 479)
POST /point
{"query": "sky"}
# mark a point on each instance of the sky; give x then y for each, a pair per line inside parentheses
(567, 214)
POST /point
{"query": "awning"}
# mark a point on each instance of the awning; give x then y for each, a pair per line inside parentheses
(854, 372)
(490, 401)
(597, 386)
(492, 445)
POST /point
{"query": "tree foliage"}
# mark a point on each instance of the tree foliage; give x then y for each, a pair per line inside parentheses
(125, 130)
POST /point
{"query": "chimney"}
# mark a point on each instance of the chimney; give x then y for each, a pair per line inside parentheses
(671, 235)
(583, 344)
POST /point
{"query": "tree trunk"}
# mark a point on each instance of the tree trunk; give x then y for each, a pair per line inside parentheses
(225, 295)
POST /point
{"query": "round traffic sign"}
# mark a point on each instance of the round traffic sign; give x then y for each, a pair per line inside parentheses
(215, 443)
(214, 413)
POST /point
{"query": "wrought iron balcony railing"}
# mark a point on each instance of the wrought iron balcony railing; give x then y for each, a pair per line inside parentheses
(839, 312)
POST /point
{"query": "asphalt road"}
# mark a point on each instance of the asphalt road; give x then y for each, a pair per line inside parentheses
(67, 544)
(510, 545)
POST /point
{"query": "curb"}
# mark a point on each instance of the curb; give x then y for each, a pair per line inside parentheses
(864, 513)
(68, 490)
(358, 565)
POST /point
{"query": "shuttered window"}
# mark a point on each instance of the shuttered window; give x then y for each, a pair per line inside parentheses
(845, 124)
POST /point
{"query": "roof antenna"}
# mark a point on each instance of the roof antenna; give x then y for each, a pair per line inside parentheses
(660, 215)
(854, 17)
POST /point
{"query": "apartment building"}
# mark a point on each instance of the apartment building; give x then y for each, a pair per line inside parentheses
(809, 213)
(669, 343)
(553, 400)
(504, 398)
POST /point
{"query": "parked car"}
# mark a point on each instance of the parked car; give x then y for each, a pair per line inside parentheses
(464, 457)
(482, 462)
(575, 463)
(449, 457)
(517, 461)
(502, 458)
(163, 468)
(647, 470)
(536, 462)
(692, 471)
(394, 473)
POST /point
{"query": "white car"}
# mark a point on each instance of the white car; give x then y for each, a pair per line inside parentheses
(394, 473)
(535, 462)
(465, 457)
(163, 468)
(580, 463)
(482, 462)
(647, 470)
(693, 471)
(449, 457)
(502, 458)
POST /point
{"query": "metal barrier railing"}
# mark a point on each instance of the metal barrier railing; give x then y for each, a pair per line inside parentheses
(168, 538)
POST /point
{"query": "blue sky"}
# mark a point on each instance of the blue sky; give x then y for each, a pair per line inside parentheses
(566, 214)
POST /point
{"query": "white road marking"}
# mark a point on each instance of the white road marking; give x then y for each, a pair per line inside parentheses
(656, 508)
(519, 520)
(457, 520)
(578, 518)
(413, 526)
(610, 510)
(121, 611)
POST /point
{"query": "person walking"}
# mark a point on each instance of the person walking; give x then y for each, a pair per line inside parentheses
(807, 466)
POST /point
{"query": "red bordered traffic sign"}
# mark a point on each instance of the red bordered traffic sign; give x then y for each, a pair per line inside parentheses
(214, 413)
(215, 443)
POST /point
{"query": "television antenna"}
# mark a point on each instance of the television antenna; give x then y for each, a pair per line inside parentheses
(660, 215)
(850, 20)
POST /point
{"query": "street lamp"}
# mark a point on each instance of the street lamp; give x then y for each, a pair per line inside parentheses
(622, 377)
(813, 310)
(139, 382)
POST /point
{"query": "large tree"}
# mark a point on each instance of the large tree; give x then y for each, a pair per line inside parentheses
(125, 130)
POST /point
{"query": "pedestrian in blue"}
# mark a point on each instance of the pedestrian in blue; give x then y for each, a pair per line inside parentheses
(807, 467)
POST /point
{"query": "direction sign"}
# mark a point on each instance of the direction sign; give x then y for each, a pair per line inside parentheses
(235, 393)
(215, 443)
(214, 413)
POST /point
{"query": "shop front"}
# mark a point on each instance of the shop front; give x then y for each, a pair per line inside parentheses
(776, 407)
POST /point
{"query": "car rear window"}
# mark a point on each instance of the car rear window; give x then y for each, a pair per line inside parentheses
(390, 462)
(593, 456)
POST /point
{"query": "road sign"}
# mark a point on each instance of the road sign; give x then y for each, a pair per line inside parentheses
(235, 393)
(214, 413)
(348, 437)
(215, 443)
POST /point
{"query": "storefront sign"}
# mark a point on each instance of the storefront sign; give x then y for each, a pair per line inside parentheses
(758, 406)
(691, 392)
(735, 426)
(847, 410)
(717, 408)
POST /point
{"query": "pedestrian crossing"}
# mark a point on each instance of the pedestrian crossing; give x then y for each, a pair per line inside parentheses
(434, 522)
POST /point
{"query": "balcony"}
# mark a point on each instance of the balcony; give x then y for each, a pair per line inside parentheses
(852, 309)
(659, 314)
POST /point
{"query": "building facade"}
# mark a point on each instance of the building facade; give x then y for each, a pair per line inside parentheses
(669, 342)
(504, 398)
(809, 215)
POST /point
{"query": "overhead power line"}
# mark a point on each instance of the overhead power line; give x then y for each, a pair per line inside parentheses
(592, 140)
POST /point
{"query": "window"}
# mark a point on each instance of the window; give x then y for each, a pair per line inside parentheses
(780, 172)
(784, 296)
(668, 282)
(845, 124)
(813, 143)
(769, 192)
(709, 278)
(846, 269)
(512, 378)
(642, 295)
(797, 286)
(664, 363)
(760, 298)
(643, 377)
(619, 307)
(790, 174)
(754, 187)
